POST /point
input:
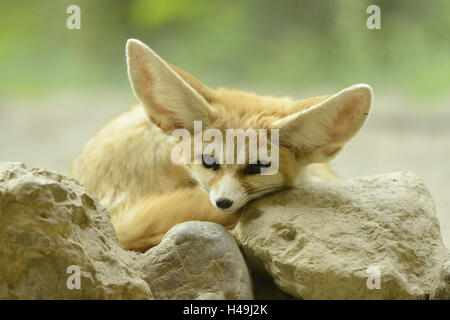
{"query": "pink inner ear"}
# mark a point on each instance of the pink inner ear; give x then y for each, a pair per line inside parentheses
(144, 83)
(147, 90)
(347, 120)
(146, 93)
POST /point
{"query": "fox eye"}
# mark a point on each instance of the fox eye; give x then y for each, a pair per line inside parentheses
(256, 168)
(209, 162)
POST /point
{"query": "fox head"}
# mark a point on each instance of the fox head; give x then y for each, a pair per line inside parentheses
(312, 130)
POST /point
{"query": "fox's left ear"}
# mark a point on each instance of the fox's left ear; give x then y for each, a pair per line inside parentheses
(170, 101)
(318, 133)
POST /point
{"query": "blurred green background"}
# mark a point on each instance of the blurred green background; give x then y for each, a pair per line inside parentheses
(246, 43)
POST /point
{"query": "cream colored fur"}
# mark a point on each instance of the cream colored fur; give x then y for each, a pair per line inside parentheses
(127, 164)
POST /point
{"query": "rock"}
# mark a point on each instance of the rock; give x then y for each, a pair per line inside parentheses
(441, 289)
(197, 260)
(50, 229)
(329, 240)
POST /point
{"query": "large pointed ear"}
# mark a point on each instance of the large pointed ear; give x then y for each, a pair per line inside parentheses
(168, 99)
(318, 133)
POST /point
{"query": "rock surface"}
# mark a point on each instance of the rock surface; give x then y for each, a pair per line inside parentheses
(329, 240)
(441, 289)
(50, 228)
(48, 223)
(197, 260)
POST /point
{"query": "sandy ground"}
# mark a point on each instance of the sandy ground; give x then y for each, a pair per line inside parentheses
(398, 136)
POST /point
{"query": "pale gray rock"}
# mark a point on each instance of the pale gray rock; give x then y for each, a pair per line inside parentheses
(324, 240)
(197, 260)
(441, 288)
(48, 223)
(50, 226)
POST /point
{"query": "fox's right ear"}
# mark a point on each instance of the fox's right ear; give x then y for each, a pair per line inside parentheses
(318, 133)
(169, 100)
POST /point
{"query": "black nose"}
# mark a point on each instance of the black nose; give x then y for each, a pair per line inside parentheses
(224, 203)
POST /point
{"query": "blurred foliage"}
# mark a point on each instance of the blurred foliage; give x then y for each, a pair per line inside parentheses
(245, 43)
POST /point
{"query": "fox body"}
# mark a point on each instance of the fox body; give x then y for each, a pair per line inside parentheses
(128, 165)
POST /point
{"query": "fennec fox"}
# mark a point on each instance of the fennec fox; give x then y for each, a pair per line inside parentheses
(129, 164)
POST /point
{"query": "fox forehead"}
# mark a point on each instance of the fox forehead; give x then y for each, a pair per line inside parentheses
(236, 146)
(245, 110)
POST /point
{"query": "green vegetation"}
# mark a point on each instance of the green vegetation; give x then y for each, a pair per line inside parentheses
(245, 43)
